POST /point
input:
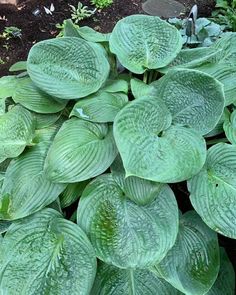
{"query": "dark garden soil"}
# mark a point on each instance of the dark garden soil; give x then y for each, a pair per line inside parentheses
(36, 28)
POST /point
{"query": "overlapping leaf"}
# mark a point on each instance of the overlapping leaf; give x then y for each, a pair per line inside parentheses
(26, 188)
(111, 279)
(81, 73)
(16, 132)
(213, 190)
(101, 107)
(144, 42)
(225, 282)
(230, 126)
(46, 254)
(81, 150)
(194, 99)
(34, 99)
(192, 265)
(153, 149)
(123, 233)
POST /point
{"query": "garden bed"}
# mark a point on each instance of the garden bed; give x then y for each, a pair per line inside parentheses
(36, 28)
(43, 27)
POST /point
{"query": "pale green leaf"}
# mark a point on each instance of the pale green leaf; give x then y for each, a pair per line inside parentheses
(140, 191)
(144, 42)
(123, 233)
(101, 107)
(194, 99)
(225, 73)
(72, 192)
(81, 73)
(81, 150)
(152, 149)
(91, 35)
(111, 280)
(46, 254)
(34, 99)
(16, 132)
(219, 126)
(26, 188)
(192, 265)
(7, 86)
(46, 120)
(18, 66)
(189, 58)
(225, 282)
(213, 190)
(116, 85)
(140, 89)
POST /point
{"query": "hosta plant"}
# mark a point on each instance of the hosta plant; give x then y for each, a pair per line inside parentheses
(110, 124)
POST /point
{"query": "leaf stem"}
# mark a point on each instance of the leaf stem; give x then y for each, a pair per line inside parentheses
(145, 77)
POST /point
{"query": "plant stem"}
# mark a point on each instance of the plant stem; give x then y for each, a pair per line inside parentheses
(218, 140)
(145, 77)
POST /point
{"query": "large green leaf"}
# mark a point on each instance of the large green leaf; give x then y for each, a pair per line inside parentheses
(192, 265)
(213, 190)
(144, 42)
(225, 73)
(111, 280)
(101, 107)
(68, 67)
(225, 282)
(194, 99)
(81, 150)
(152, 149)
(123, 233)
(218, 61)
(26, 188)
(16, 131)
(46, 254)
(34, 99)
(189, 58)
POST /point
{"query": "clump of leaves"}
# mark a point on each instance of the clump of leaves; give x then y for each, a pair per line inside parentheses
(101, 3)
(11, 32)
(225, 14)
(205, 33)
(77, 131)
(80, 12)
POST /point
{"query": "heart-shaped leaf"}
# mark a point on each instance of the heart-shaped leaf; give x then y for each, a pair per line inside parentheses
(123, 233)
(194, 99)
(144, 42)
(213, 190)
(81, 73)
(192, 265)
(81, 150)
(152, 149)
(46, 254)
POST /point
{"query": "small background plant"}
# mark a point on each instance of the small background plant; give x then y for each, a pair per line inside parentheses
(81, 12)
(11, 32)
(101, 3)
(225, 14)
